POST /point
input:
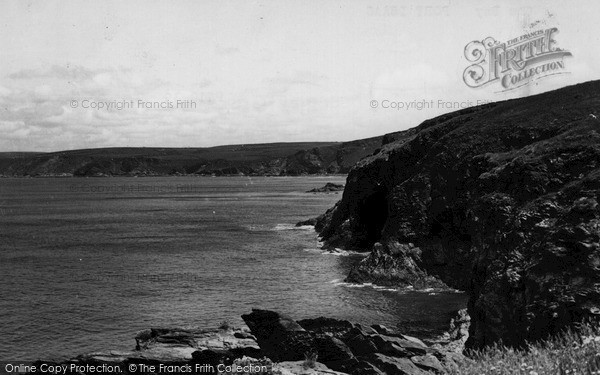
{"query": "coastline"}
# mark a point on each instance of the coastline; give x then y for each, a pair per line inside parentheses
(273, 343)
(191, 175)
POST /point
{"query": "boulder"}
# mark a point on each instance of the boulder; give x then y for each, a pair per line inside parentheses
(459, 326)
(330, 349)
(279, 337)
(334, 353)
(360, 344)
(309, 222)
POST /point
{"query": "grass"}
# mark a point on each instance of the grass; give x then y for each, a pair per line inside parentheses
(310, 360)
(572, 353)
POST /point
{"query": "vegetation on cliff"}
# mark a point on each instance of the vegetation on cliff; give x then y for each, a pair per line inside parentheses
(570, 353)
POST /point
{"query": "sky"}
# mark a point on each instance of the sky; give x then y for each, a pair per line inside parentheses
(88, 74)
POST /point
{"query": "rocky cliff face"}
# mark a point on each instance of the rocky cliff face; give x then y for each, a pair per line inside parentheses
(499, 200)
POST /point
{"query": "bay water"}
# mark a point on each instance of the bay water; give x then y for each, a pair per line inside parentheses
(85, 263)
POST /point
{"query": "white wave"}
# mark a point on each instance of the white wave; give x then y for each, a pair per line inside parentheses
(293, 227)
(253, 227)
(337, 282)
(342, 252)
(336, 252)
(313, 250)
(435, 291)
(407, 289)
(386, 289)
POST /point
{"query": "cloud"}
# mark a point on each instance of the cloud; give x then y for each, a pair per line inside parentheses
(10, 126)
(38, 110)
(226, 51)
(56, 72)
(4, 91)
(297, 78)
(417, 77)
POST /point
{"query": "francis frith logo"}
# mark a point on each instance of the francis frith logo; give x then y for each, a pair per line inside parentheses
(514, 63)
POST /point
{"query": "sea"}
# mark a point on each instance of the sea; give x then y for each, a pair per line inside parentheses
(86, 263)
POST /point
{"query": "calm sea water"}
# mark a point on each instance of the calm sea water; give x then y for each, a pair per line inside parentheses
(86, 263)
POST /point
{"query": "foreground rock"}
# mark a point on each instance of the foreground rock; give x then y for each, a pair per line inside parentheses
(309, 222)
(175, 347)
(274, 344)
(499, 200)
(346, 347)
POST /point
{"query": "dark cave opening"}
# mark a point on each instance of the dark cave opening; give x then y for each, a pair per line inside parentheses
(374, 215)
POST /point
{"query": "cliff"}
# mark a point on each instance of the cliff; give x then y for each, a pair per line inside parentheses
(255, 159)
(500, 200)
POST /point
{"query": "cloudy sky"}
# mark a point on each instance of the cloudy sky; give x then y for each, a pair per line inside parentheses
(255, 71)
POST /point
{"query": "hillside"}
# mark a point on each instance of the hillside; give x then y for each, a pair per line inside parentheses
(253, 159)
(499, 200)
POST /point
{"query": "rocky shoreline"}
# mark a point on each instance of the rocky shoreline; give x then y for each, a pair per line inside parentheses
(273, 343)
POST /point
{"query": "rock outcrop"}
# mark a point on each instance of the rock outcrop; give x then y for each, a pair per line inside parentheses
(172, 347)
(345, 346)
(500, 200)
(328, 188)
(274, 344)
(279, 336)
